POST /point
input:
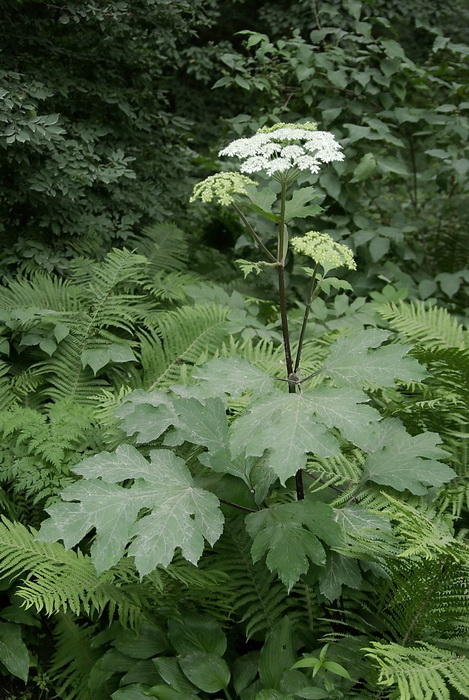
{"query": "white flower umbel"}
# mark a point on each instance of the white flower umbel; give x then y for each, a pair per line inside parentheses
(284, 149)
(324, 250)
(221, 188)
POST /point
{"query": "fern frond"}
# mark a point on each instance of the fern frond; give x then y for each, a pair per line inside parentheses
(420, 323)
(260, 599)
(420, 673)
(425, 600)
(169, 286)
(54, 579)
(422, 533)
(188, 336)
(73, 659)
(40, 291)
(164, 245)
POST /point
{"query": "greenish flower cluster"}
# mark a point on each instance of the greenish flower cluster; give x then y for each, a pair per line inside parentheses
(306, 126)
(324, 250)
(221, 188)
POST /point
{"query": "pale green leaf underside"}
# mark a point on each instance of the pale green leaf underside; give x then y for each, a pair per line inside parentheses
(182, 515)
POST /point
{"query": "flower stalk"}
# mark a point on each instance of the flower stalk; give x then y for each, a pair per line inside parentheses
(281, 152)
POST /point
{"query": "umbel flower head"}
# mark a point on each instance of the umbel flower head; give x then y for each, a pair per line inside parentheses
(221, 188)
(283, 148)
(324, 250)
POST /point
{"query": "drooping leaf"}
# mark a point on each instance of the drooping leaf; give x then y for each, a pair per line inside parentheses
(195, 633)
(289, 535)
(365, 168)
(209, 672)
(14, 653)
(339, 571)
(115, 352)
(356, 359)
(407, 462)
(170, 671)
(284, 425)
(277, 654)
(181, 515)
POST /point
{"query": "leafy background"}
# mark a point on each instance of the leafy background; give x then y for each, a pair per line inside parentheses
(136, 362)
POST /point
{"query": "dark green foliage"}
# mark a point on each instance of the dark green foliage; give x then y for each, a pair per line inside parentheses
(89, 141)
(141, 420)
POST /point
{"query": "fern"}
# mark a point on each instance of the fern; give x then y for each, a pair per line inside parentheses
(106, 309)
(169, 286)
(182, 338)
(425, 601)
(40, 291)
(420, 673)
(421, 323)
(259, 598)
(165, 246)
(73, 659)
(56, 580)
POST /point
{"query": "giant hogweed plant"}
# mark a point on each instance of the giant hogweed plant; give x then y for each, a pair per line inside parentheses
(296, 487)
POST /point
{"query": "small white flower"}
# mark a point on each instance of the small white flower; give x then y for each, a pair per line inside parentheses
(284, 148)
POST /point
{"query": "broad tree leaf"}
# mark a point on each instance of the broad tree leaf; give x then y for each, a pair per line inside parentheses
(147, 414)
(14, 654)
(181, 515)
(406, 461)
(343, 409)
(360, 523)
(356, 359)
(339, 571)
(284, 425)
(297, 207)
(233, 376)
(262, 201)
(195, 633)
(115, 352)
(203, 424)
(289, 534)
(209, 672)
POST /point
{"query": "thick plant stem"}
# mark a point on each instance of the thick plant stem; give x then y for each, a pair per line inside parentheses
(309, 300)
(282, 249)
(284, 319)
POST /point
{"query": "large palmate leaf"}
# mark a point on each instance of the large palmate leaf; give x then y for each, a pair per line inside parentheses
(233, 376)
(404, 461)
(180, 514)
(343, 409)
(357, 359)
(285, 425)
(147, 414)
(289, 535)
(298, 207)
(203, 424)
